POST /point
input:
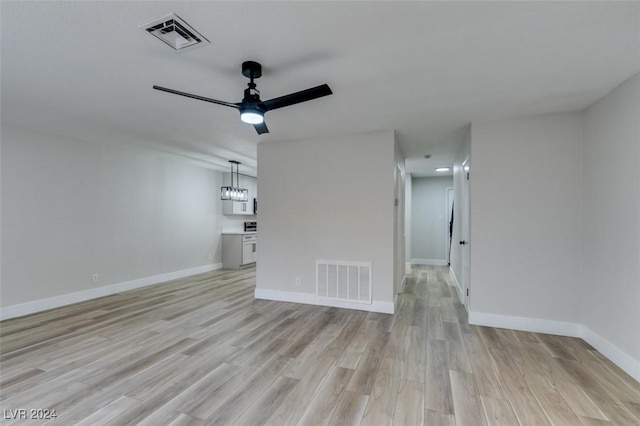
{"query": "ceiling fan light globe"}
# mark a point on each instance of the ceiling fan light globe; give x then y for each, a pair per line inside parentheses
(252, 117)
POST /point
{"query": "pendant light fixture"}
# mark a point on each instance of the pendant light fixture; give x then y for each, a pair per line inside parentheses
(234, 193)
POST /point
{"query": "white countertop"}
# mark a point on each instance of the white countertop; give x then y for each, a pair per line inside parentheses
(239, 233)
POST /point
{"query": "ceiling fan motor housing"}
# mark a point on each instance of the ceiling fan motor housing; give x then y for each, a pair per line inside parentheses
(251, 94)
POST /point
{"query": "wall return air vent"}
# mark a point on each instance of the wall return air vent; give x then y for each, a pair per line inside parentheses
(175, 32)
(348, 281)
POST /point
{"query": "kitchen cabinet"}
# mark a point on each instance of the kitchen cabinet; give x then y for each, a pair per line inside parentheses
(240, 207)
(248, 252)
(239, 249)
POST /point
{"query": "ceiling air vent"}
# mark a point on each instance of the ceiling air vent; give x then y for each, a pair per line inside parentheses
(175, 32)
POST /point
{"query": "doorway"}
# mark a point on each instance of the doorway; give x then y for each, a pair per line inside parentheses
(449, 224)
(464, 235)
(431, 198)
(398, 231)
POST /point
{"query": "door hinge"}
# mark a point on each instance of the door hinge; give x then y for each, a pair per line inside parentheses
(467, 292)
(467, 175)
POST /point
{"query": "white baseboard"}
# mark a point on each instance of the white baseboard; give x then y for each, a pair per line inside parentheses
(312, 299)
(525, 324)
(407, 267)
(619, 357)
(458, 286)
(433, 262)
(40, 305)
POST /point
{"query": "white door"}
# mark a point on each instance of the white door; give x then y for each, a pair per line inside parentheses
(398, 232)
(464, 242)
(449, 207)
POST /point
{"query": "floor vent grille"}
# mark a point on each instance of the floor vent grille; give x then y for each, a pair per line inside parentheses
(342, 280)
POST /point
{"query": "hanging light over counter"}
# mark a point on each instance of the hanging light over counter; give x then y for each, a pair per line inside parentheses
(234, 193)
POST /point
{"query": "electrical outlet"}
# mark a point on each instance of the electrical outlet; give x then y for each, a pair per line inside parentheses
(297, 281)
(95, 278)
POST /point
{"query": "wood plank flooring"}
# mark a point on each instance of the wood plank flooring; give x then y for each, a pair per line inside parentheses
(203, 351)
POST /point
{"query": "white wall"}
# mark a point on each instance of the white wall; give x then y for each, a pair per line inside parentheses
(329, 198)
(71, 208)
(610, 287)
(555, 224)
(526, 216)
(430, 228)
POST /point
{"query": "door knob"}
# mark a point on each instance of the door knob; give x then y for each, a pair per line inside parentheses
(463, 242)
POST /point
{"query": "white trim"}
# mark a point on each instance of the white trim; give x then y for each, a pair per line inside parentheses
(434, 262)
(457, 285)
(525, 324)
(312, 299)
(40, 305)
(407, 268)
(618, 356)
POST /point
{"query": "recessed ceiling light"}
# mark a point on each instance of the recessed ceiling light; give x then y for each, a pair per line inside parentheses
(443, 169)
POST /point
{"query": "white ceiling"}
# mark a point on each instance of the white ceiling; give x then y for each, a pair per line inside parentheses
(425, 69)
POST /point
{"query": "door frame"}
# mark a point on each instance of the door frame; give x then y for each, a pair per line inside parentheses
(465, 211)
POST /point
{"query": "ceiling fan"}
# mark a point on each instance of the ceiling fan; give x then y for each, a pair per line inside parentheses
(252, 109)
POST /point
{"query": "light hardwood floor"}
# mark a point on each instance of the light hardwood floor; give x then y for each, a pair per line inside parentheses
(202, 351)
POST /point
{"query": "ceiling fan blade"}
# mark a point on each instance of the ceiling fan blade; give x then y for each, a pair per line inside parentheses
(261, 128)
(200, 98)
(297, 97)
